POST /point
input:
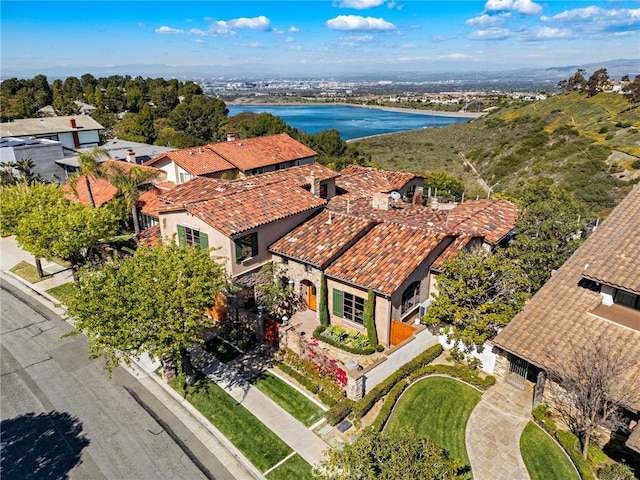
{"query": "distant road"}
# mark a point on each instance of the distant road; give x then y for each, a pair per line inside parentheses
(62, 418)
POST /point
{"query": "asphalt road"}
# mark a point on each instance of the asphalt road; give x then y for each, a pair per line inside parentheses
(63, 418)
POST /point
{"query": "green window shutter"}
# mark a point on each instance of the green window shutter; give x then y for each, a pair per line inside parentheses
(238, 252)
(338, 301)
(204, 241)
(181, 238)
(254, 244)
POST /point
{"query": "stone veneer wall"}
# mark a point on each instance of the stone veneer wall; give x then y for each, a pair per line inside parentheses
(501, 364)
(297, 271)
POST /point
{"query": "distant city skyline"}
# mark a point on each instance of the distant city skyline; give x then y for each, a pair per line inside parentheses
(318, 37)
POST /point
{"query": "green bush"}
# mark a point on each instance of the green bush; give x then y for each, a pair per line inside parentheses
(636, 165)
(463, 372)
(301, 379)
(365, 404)
(389, 403)
(318, 335)
(326, 398)
(616, 471)
(339, 412)
(571, 444)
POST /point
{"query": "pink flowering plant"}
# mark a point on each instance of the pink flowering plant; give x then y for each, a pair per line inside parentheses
(324, 366)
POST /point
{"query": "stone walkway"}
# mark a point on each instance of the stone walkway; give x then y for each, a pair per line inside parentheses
(493, 433)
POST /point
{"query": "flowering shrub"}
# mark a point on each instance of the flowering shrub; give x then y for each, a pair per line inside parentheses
(324, 366)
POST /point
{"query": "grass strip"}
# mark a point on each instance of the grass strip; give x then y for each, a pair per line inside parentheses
(445, 405)
(260, 445)
(299, 406)
(543, 457)
(295, 468)
(62, 292)
(28, 272)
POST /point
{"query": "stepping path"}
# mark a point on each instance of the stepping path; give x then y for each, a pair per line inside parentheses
(493, 433)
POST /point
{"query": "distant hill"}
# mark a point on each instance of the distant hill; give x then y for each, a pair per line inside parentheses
(490, 79)
(590, 146)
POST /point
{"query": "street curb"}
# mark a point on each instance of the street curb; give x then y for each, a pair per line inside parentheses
(193, 412)
(197, 416)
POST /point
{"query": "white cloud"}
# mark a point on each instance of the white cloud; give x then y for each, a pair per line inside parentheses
(360, 4)
(255, 23)
(199, 40)
(169, 31)
(596, 20)
(256, 45)
(293, 29)
(491, 34)
(289, 39)
(526, 7)
(549, 33)
(357, 23)
(484, 21)
(458, 56)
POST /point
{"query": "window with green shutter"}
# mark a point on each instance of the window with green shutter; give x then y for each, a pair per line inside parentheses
(246, 247)
(181, 238)
(192, 236)
(338, 298)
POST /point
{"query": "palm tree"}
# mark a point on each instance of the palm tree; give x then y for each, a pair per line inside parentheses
(89, 168)
(127, 179)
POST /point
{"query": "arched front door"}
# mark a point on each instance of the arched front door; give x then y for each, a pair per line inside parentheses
(309, 294)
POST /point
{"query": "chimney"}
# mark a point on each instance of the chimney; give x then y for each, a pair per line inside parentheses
(131, 156)
(381, 201)
(315, 185)
(74, 134)
(231, 137)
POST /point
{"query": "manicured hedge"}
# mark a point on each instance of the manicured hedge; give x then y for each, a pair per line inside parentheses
(387, 407)
(365, 404)
(571, 444)
(317, 334)
(463, 372)
(301, 379)
(339, 412)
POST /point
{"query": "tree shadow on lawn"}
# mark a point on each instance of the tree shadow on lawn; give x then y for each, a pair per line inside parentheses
(43, 446)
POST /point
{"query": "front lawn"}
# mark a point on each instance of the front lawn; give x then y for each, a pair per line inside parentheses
(437, 407)
(294, 402)
(295, 468)
(260, 445)
(543, 457)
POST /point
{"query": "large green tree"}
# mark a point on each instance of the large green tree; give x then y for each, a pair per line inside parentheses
(478, 293)
(547, 232)
(150, 302)
(389, 455)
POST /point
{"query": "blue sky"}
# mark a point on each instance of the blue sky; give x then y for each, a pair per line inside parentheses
(319, 36)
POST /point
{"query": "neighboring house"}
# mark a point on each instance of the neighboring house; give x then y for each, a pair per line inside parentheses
(241, 218)
(356, 181)
(117, 149)
(149, 204)
(44, 154)
(234, 158)
(595, 294)
(101, 189)
(73, 132)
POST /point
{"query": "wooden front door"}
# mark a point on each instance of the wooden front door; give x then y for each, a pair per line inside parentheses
(311, 297)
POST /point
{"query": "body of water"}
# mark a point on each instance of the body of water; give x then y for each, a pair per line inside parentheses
(351, 121)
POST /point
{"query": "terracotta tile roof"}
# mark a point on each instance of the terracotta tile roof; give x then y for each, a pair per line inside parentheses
(366, 180)
(299, 175)
(563, 311)
(491, 218)
(101, 190)
(250, 153)
(453, 249)
(319, 240)
(195, 190)
(149, 202)
(150, 237)
(240, 209)
(384, 257)
(195, 160)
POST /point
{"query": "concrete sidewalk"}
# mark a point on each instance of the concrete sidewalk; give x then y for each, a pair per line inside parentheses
(234, 380)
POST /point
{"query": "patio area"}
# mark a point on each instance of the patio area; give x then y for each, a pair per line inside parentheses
(302, 324)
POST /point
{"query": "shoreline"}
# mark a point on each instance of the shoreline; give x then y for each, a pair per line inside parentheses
(439, 113)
